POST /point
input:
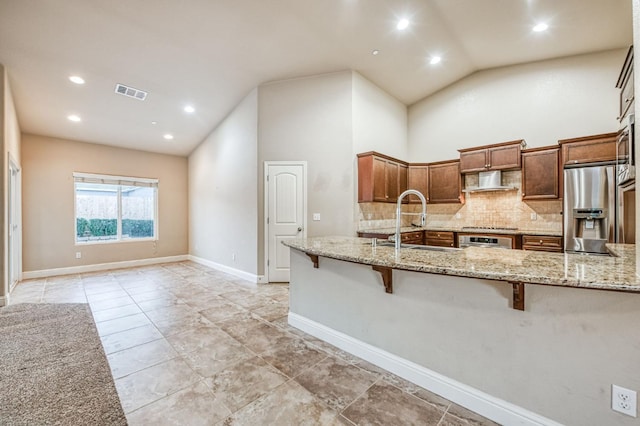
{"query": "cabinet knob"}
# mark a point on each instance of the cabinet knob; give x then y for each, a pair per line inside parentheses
(627, 100)
(523, 194)
(540, 241)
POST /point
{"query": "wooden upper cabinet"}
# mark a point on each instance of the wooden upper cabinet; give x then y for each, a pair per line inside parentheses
(541, 173)
(418, 179)
(403, 180)
(502, 156)
(589, 149)
(444, 182)
(625, 83)
(380, 178)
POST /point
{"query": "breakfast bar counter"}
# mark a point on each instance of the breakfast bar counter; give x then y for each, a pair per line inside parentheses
(445, 323)
(616, 272)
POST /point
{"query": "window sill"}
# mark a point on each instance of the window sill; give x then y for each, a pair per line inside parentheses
(134, 240)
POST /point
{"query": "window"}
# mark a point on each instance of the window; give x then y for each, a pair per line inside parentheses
(115, 208)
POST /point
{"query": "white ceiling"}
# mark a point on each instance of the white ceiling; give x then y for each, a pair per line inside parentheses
(211, 53)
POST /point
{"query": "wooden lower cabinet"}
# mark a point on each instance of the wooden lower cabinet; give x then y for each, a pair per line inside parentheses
(415, 237)
(439, 238)
(542, 243)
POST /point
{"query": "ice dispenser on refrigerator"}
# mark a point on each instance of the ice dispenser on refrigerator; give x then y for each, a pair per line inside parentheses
(589, 208)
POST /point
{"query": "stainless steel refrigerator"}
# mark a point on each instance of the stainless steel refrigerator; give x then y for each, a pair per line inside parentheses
(589, 208)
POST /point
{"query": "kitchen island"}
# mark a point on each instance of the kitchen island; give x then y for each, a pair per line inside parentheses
(446, 325)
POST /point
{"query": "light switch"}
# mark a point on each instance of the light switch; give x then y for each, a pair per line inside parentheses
(316, 216)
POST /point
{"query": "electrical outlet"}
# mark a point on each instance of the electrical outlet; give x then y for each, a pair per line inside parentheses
(316, 216)
(623, 400)
(78, 255)
(534, 216)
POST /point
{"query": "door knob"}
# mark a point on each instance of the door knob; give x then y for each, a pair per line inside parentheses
(299, 228)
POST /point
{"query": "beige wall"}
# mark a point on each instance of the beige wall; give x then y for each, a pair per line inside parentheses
(558, 358)
(540, 102)
(310, 119)
(223, 180)
(48, 202)
(379, 120)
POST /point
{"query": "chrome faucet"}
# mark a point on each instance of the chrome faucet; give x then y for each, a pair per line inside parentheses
(423, 215)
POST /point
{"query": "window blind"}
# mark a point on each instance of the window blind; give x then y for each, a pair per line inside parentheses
(114, 180)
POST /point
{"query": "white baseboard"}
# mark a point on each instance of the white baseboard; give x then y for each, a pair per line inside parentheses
(4, 301)
(253, 278)
(102, 266)
(480, 402)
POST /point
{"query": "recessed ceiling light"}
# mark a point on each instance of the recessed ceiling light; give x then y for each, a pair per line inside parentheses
(168, 136)
(403, 24)
(76, 79)
(154, 122)
(74, 118)
(435, 60)
(540, 27)
(189, 109)
(375, 52)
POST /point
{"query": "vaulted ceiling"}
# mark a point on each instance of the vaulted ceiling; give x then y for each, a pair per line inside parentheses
(211, 53)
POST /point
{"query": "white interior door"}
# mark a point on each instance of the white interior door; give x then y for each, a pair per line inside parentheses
(286, 213)
(15, 250)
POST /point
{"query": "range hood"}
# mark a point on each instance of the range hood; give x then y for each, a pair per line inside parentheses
(490, 181)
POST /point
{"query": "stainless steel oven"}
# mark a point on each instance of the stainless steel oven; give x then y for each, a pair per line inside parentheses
(488, 240)
(625, 151)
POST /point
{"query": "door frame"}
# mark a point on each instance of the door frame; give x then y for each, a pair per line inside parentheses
(265, 196)
(14, 236)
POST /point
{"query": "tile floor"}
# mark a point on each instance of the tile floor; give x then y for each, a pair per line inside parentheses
(190, 345)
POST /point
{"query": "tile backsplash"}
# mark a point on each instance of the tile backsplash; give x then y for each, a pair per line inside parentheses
(494, 208)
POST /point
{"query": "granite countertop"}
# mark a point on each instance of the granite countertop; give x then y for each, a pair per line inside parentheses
(460, 229)
(563, 269)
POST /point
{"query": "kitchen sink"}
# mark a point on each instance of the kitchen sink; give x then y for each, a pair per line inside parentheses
(418, 246)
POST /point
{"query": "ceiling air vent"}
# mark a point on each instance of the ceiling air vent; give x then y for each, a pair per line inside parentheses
(131, 92)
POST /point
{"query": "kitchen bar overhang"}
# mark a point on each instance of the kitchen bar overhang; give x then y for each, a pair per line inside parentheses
(517, 268)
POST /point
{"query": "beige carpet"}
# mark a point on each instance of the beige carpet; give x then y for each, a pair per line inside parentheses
(53, 369)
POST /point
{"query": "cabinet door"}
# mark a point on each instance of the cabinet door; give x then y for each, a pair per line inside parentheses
(445, 183)
(542, 243)
(540, 174)
(418, 179)
(415, 237)
(439, 238)
(379, 179)
(473, 161)
(590, 149)
(403, 180)
(504, 157)
(391, 182)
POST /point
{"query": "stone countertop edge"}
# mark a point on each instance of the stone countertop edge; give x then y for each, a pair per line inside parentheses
(616, 272)
(460, 230)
